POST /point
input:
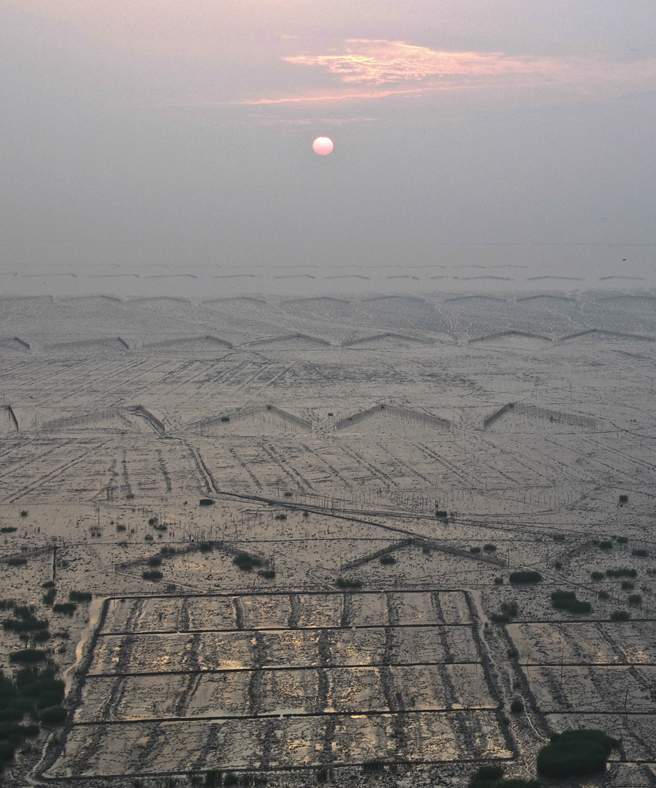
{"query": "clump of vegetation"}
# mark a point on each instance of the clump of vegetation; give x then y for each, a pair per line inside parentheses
(623, 572)
(167, 551)
(288, 494)
(603, 595)
(559, 537)
(575, 753)
(635, 600)
(492, 777)
(387, 560)
(508, 611)
(624, 499)
(80, 596)
(498, 581)
(426, 550)
(16, 561)
(512, 653)
(65, 608)
(267, 574)
(517, 706)
(306, 514)
(54, 716)
(23, 513)
(246, 562)
(597, 576)
(640, 553)
(441, 514)
(619, 615)
(474, 549)
(27, 656)
(622, 539)
(152, 574)
(120, 528)
(627, 585)
(281, 516)
(154, 561)
(566, 600)
(489, 548)
(373, 766)
(342, 583)
(8, 529)
(525, 577)
(206, 502)
(206, 547)
(23, 621)
(606, 545)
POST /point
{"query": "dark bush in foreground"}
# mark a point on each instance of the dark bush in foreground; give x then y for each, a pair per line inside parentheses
(267, 574)
(54, 716)
(597, 575)
(559, 537)
(575, 753)
(65, 608)
(624, 498)
(16, 561)
(487, 774)
(6, 752)
(246, 562)
(489, 548)
(474, 549)
(80, 596)
(8, 529)
(154, 561)
(639, 553)
(603, 595)
(27, 655)
(387, 560)
(206, 547)
(517, 706)
(622, 539)
(373, 766)
(627, 585)
(525, 578)
(206, 502)
(623, 572)
(566, 600)
(342, 583)
(492, 777)
(619, 615)
(152, 574)
(635, 600)
(606, 545)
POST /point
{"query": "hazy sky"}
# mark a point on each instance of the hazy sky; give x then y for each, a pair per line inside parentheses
(141, 131)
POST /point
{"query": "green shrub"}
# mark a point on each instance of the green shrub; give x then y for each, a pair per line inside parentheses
(525, 577)
(597, 575)
(639, 553)
(80, 596)
(624, 498)
(387, 560)
(512, 653)
(489, 548)
(566, 600)
(281, 516)
(606, 545)
(267, 574)
(517, 706)
(48, 598)
(206, 547)
(8, 529)
(54, 716)
(373, 766)
(152, 574)
(206, 502)
(575, 753)
(603, 595)
(619, 615)
(623, 572)
(66, 608)
(342, 583)
(498, 581)
(559, 537)
(246, 562)
(635, 600)
(622, 540)
(154, 561)
(558, 565)
(500, 618)
(27, 656)
(17, 561)
(627, 585)
(487, 774)
(474, 549)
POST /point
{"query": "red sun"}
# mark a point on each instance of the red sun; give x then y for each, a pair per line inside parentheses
(323, 146)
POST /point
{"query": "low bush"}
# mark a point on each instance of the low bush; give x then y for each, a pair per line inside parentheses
(246, 562)
(619, 615)
(342, 583)
(603, 595)
(627, 585)
(54, 716)
(640, 553)
(517, 706)
(575, 753)
(387, 560)
(206, 547)
(267, 574)
(27, 656)
(212, 778)
(624, 498)
(498, 581)
(474, 549)
(80, 596)
(8, 529)
(49, 597)
(154, 561)
(288, 494)
(206, 502)
(65, 608)
(622, 572)
(566, 600)
(373, 766)
(487, 774)
(281, 516)
(606, 545)
(597, 576)
(441, 514)
(512, 653)
(425, 550)
(622, 539)
(489, 548)
(635, 600)
(17, 561)
(559, 537)
(558, 565)
(120, 528)
(525, 577)
(152, 574)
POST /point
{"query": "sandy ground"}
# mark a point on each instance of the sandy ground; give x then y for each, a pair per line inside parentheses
(327, 430)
